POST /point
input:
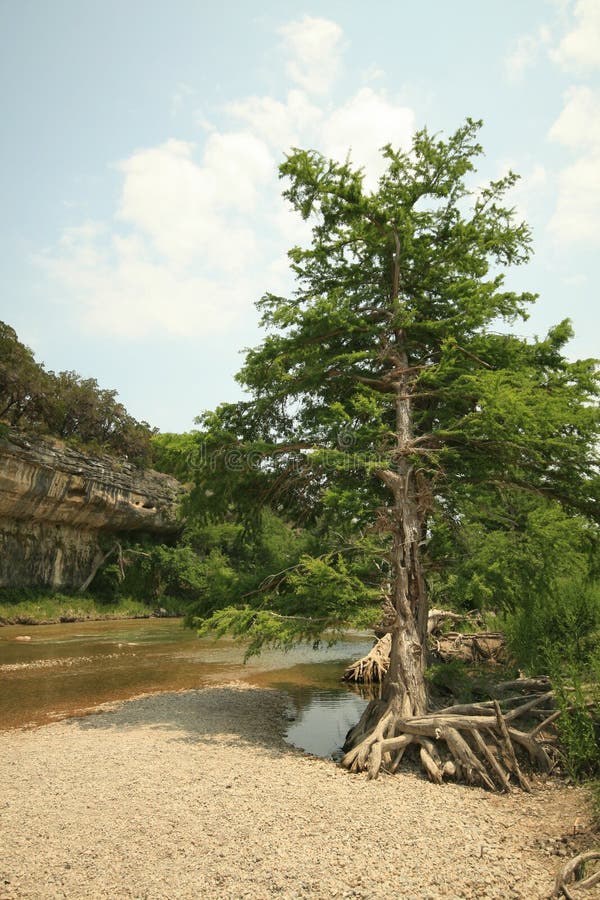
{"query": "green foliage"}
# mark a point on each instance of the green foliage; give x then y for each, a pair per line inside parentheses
(503, 550)
(176, 454)
(65, 405)
(212, 565)
(106, 584)
(156, 574)
(275, 612)
(559, 633)
(563, 623)
(579, 724)
(452, 678)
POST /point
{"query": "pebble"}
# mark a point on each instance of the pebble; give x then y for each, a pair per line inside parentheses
(195, 795)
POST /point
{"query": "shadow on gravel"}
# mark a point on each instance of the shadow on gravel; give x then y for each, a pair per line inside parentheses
(225, 715)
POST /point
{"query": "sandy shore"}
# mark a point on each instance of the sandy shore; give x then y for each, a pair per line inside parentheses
(195, 795)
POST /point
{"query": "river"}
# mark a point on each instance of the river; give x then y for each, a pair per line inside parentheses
(49, 672)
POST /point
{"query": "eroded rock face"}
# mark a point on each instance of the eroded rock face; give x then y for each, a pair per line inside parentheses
(56, 501)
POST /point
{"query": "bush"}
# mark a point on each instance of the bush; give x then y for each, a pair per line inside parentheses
(558, 634)
(579, 724)
(565, 621)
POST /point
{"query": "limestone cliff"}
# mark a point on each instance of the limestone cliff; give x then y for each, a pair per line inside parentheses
(56, 501)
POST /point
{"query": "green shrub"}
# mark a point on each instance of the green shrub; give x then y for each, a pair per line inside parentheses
(567, 620)
(452, 678)
(32, 607)
(558, 635)
(579, 724)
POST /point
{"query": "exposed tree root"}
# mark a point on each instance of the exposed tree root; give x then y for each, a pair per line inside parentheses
(530, 685)
(438, 617)
(477, 743)
(567, 884)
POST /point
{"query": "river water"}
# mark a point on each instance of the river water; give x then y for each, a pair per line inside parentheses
(48, 672)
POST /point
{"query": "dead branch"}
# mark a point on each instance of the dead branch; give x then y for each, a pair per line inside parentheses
(569, 879)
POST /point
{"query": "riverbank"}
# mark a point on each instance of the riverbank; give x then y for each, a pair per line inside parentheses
(196, 794)
(55, 608)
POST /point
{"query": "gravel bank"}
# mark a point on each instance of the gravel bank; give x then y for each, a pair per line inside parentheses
(195, 795)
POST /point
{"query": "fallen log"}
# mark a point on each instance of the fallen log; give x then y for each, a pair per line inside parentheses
(474, 647)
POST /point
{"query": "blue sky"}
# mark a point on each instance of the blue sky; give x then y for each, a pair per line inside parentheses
(141, 214)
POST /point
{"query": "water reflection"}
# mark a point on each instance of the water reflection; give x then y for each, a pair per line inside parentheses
(71, 668)
(325, 707)
(322, 725)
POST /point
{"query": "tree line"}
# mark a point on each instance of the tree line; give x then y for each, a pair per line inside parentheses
(65, 405)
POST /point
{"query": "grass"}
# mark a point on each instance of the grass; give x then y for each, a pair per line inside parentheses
(45, 609)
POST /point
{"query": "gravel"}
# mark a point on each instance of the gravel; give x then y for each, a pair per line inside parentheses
(196, 795)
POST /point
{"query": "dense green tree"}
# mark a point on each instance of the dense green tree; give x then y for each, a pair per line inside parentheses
(502, 552)
(24, 385)
(65, 405)
(385, 390)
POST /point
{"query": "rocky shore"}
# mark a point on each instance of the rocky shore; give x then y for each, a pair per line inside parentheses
(196, 795)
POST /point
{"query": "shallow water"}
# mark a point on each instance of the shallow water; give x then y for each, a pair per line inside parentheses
(69, 669)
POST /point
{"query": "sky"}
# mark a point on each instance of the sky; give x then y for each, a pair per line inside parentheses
(141, 214)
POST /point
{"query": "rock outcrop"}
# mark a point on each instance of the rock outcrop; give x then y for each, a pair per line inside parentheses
(56, 502)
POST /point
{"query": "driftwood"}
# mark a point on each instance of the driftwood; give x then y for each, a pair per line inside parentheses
(481, 646)
(99, 560)
(371, 669)
(438, 617)
(540, 683)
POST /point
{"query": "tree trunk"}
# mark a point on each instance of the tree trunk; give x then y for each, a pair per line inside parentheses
(404, 693)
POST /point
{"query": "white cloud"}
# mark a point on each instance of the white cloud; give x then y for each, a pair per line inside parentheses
(121, 288)
(314, 49)
(577, 213)
(537, 178)
(241, 164)
(372, 73)
(191, 211)
(579, 49)
(362, 126)
(281, 124)
(181, 95)
(576, 216)
(525, 52)
(578, 125)
(182, 256)
(291, 228)
(200, 232)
